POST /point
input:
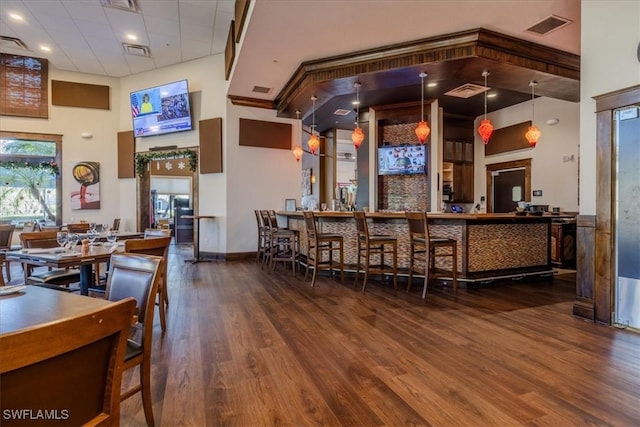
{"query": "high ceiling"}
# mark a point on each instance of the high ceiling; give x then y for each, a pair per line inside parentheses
(280, 35)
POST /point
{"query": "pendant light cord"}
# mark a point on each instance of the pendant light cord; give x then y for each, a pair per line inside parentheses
(422, 76)
(486, 73)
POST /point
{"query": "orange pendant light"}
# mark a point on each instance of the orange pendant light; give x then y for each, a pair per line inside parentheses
(533, 133)
(422, 130)
(297, 150)
(314, 142)
(358, 135)
(486, 128)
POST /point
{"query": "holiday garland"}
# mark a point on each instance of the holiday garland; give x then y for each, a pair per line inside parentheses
(142, 159)
(50, 167)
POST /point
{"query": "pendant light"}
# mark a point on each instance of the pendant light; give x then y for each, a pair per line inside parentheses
(297, 150)
(486, 128)
(314, 142)
(422, 130)
(533, 133)
(358, 135)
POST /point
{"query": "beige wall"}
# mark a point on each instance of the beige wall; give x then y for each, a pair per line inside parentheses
(610, 36)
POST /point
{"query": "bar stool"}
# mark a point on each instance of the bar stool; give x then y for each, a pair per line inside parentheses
(320, 243)
(262, 236)
(375, 245)
(424, 248)
(283, 243)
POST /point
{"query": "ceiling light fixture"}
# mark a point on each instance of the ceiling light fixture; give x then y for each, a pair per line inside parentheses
(533, 133)
(297, 150)
(357, 136)
(486, 128)
(314, 142)
(422, 130)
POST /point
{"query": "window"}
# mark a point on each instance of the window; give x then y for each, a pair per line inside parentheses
(24, 86)
(30, 183)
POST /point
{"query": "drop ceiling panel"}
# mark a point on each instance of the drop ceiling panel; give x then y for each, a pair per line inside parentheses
(162, 26)
(159, 9)
(87, 11)
(199, 13)
(193, 49)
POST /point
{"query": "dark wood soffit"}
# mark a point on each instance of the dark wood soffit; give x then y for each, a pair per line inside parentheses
(243, 101)
(478, 43)
(241, 9)
(613, 100)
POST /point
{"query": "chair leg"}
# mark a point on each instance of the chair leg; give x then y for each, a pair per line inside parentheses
(395, 266)
(161, 305)
(315, 265)
(341, 262)
(454, 269)
(7, 268)
(145, 380)
(366, 269)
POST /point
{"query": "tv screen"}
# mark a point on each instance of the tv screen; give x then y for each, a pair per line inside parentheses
(161, 109)
(401, 159)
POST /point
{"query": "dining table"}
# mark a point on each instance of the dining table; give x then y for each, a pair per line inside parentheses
(60, 258)
(35, 305)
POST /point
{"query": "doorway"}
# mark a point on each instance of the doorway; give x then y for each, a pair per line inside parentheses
(507, 184)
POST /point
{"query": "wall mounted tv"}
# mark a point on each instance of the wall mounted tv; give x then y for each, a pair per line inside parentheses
(401, 159)
(161, 109)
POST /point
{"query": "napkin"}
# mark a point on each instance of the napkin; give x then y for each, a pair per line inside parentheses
(42, 250)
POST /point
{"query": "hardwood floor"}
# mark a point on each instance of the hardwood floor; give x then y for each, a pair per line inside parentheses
(245, 347)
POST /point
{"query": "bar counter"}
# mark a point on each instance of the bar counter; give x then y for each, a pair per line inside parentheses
(490, 246)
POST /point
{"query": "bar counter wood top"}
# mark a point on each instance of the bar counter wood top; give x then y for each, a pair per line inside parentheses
(490, 245)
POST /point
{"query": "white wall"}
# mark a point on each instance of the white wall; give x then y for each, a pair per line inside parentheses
(557, 179)
(258, 178)
(208, 92)
(70, 122)
(610, 36)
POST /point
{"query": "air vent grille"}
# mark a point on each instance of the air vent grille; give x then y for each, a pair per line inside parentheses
(7, 42)
(128, 5)
(136, 49)
(549, 24)
(261, 89)
(342, 112)
(467, 90)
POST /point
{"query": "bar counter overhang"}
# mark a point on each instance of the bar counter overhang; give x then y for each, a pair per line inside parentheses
(490, 246)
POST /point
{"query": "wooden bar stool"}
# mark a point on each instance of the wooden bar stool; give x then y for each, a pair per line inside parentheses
(282, 243)
(424, 249)
(263, 229)
(320, 243)
(372, 245)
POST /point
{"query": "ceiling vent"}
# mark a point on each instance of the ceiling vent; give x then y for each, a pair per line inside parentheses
(549, 24)
(136, 49)
(467, 90)
(128, 5)
(7, 42)
(342, 112)
(261, 89)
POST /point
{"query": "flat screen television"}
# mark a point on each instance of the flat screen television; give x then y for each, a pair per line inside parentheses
(401, 159)
(161, 109)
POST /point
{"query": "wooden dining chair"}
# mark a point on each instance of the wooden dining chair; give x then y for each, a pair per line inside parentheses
(6, 236)
(157, 232)
(78, 374)
(47, 277)
(137, 276)
(80, 227)
(158, 246)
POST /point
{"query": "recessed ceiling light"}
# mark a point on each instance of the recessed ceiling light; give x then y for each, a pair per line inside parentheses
(492, 95)
(432, 84)
(356, 102)
(132, 37)
(45, 48)
(16, 17)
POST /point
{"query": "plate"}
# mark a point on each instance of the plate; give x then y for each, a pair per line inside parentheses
(14, 289)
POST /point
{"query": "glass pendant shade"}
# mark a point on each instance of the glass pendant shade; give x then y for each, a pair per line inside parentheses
(485, 130)
(297, 153)
(314, 143)
(357, 137)
(422, 131)
(532, 135)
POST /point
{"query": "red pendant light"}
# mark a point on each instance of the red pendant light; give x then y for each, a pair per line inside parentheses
(486, 128)
(533, 133)
(422, 130)
(314, 142)
(358, 135)
(297, 153)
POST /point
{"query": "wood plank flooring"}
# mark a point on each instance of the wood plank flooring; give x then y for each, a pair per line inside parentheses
(245, 347)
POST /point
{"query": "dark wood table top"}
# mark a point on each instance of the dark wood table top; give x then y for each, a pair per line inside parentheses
(36, 305)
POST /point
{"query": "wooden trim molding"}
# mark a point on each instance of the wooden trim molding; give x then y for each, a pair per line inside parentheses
(494, 167)
(583, 306)
(241, 10)
(243, 101)
(229, 52)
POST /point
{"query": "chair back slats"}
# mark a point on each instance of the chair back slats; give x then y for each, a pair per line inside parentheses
(39, 239)
(310, 224)
(417, 222)
(6, 235)
(79, 371)
(81, 227)
(116, 224)
(361, 225)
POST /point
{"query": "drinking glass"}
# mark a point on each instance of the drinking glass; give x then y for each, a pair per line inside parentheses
(112, 235)
(92, 235)
(73, 240)
(105, 227)
(92, 226)
(323, 206)
(62, 237)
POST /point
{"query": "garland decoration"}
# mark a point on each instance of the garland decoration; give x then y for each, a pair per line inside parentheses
(50, 167)
(142, 159)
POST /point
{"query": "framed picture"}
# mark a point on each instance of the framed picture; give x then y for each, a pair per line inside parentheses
(290, 205)
(85, 192)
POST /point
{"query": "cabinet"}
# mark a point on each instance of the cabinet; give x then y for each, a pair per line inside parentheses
(563, 244)
(457, 172)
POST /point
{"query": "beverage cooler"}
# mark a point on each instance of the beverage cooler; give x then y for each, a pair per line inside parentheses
(183, 227)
